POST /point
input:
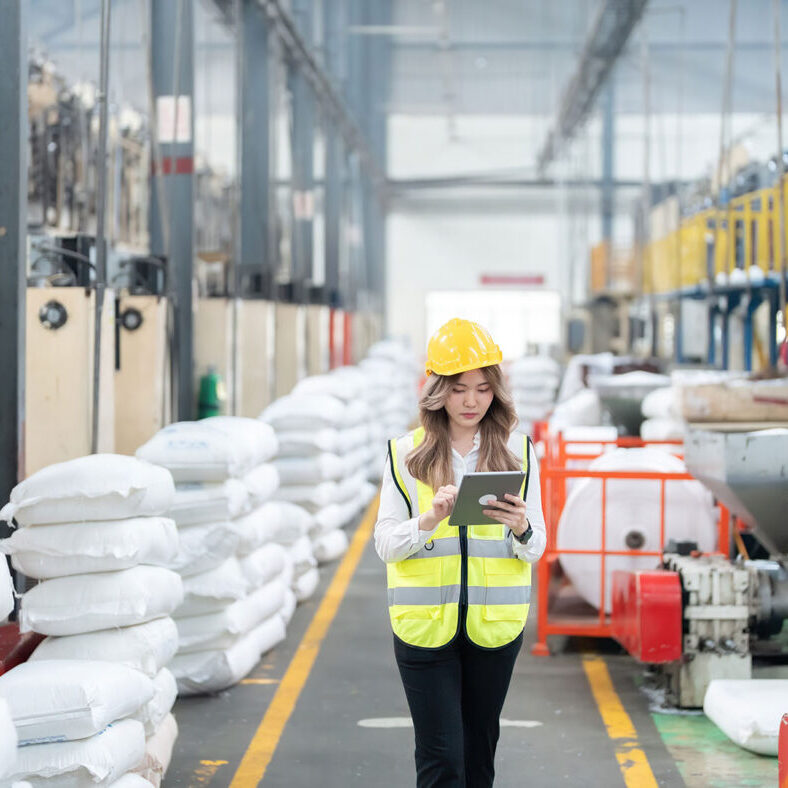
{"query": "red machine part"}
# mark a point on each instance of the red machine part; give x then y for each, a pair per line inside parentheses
(16, 648)
(646, 618)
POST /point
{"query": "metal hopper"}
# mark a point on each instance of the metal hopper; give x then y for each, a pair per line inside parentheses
(748, 472)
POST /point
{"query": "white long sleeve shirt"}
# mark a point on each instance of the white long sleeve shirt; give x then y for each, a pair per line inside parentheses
(397, 536)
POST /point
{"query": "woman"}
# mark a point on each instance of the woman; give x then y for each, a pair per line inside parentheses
(458, 597)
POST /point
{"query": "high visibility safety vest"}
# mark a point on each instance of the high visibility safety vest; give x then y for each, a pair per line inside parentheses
(473, 568)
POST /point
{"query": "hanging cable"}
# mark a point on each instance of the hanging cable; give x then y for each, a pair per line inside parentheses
(780, 160)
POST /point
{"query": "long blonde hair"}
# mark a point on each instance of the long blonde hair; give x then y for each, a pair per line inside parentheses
(430, 462)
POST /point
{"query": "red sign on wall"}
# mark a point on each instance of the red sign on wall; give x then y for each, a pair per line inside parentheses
(512, 280)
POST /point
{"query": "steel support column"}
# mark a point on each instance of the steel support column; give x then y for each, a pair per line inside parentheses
(172, 228)
(302, 147)
(608, 174)
(13, 228)
(255, 258)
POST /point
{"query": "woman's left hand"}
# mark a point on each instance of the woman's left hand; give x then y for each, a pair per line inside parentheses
(510, 512)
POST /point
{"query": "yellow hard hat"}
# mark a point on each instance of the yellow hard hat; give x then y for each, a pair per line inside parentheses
(460, 345)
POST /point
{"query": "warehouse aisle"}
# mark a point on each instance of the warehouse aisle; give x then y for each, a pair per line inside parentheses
(556, 735)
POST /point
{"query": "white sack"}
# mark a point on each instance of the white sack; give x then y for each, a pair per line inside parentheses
(310, 470)
(129, 780)
(330, 546)
(662, 403)
(51, 551)
(8, 739)
(165, 692)
(212, 671)
(158, 752)
(296, 521)
(63, 700)
(206, 502)
(582, 409)
(147, 647)
(212, 591)
(299, 412)
(261, 526)
(196, 452)
(259, 436)
(306, 585)
(97, 761)
(632, 506)
(327, 519)
(86, 603)
(748, 711)
(204, 547)
(302, 555)
(221, 630)
(305, 443)
(350, 487)
(662, 430)
(97, 487)
(6, 592)
(288, 572)
(288, 606)
(261, 483)
(314, 495)
(339, 386)
(264, 564)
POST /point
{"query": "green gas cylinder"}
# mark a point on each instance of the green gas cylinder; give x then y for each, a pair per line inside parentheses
(212, 395)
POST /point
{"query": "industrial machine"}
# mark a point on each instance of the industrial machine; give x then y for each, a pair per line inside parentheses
(702, 617)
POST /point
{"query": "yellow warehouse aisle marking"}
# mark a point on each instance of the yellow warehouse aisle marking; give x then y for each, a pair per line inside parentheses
(263, 745)
(632, 760)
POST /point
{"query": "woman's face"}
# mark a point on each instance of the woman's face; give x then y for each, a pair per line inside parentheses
(469, 398)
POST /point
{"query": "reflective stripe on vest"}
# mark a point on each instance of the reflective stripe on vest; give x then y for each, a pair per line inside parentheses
(424, 590)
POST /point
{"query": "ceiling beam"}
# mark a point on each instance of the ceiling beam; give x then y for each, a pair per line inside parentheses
(606, 40)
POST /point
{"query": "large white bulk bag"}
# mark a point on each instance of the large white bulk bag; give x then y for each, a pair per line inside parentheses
(212, 591)
(82, 548)
(221, 630)
(6, 592)
(206, 502)
(301, 412)
(305, 585)
(260, 436)
(748, 711)
(632, 508)
(165, 692)
(204, 547)
(309, 470)
(302, 556)
(264, 564)
(86, 603)
(212, 671)
(260, 526)
(662, 403)
(662, 430)
(261, 483)
(97, 761)
(62, 700)
(97, 487)
(330, 546)
(288, 606)
(147, 647)
(310, 495)
(196, 452)
(158, 752)
(8, 739)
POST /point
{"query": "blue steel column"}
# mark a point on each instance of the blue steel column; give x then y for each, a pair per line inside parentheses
(333, 15)
(172, 23)
(608, 138)
(254, 256)
(303, 159)
(13, 228)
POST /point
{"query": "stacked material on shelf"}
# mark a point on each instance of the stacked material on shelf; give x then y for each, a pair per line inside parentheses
(77, 721)
(92, 531)
(225, 514)
(533, 381)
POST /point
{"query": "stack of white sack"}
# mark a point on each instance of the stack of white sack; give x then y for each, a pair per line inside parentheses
(662, 412)
(92, 530)
(533, 381)
(393, 375)
(582, 409)
(81, 722)
(223, 509)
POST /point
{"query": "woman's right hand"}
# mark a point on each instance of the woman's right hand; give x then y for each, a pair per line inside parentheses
(442, 504)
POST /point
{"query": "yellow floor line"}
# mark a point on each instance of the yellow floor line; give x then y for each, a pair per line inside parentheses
(632, 760)
(263, 745)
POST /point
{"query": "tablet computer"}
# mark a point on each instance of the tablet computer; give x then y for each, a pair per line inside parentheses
(478, 489)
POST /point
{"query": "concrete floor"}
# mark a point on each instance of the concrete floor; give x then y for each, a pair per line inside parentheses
(355, 678)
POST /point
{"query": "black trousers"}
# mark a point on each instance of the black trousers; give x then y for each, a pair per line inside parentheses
(455, 695)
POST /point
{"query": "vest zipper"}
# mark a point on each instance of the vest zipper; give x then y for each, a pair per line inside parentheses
(463, 567)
